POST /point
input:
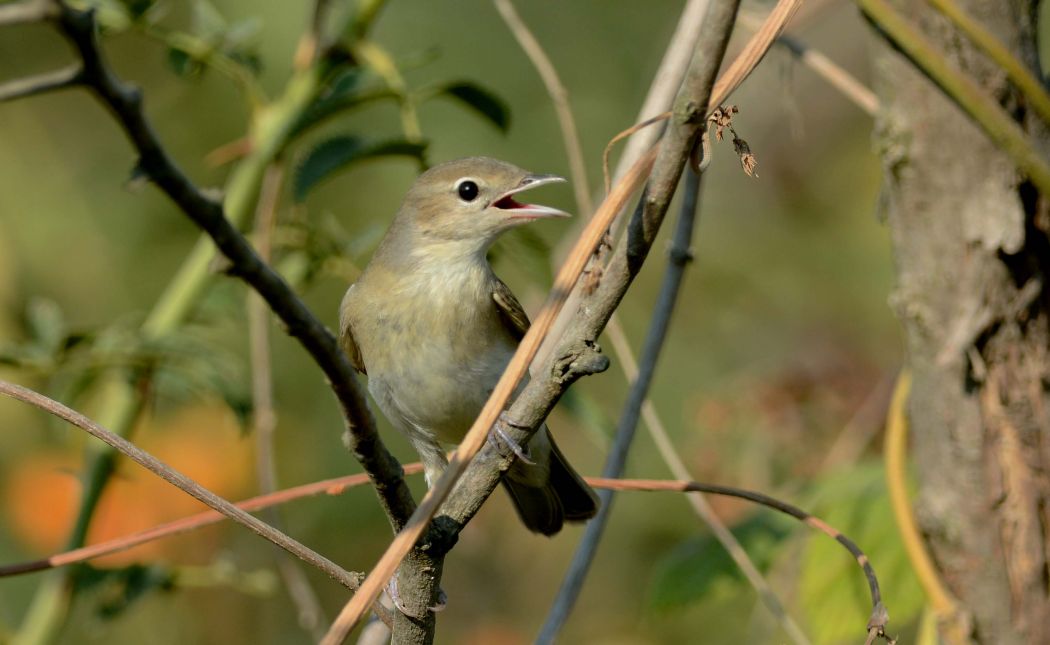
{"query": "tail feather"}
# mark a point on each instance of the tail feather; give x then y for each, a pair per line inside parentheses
(546, 505)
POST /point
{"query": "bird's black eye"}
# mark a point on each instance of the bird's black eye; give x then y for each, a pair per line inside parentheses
(468, 190)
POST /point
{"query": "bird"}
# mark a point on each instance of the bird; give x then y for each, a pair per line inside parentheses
(432, 327)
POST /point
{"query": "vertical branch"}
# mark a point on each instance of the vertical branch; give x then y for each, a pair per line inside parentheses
(559, 97)
(264, 414)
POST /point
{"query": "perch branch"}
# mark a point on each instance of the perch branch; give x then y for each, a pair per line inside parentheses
(536, 400)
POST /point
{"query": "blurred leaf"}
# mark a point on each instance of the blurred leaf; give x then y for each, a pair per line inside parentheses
(689, 572)
(832, 589)
(336, 153)
(138, 8)
(481, 100)
(46, 324)
(183, 64)
(207, 23)
(118, 589)
(343, 93)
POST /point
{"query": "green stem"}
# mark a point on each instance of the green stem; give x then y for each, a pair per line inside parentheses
(119, 402)
(1015, 70)
(988, 114)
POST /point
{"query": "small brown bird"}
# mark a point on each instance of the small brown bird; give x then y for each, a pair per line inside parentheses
(433, 327)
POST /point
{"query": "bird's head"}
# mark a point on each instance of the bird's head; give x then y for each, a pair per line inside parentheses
(473, 200)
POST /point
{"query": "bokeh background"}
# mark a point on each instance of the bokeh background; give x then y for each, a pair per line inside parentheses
(775, 376)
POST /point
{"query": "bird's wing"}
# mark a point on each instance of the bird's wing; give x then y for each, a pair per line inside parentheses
(510, 310)
(346, 335)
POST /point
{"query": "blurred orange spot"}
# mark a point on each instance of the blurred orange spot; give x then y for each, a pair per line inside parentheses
(41, 494)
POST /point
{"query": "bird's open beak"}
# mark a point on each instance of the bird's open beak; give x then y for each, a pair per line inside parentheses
(517, 210)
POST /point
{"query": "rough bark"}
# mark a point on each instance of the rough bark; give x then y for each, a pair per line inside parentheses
(972, 254)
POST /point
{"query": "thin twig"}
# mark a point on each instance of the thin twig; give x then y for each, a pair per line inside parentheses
(662, 439)
(982, 108)
(264, 415)
(615, 462)
(559, 97)
(827, 69)
(536, 400)
(336, 486)
(40, 84)
(1015, 69)
(340, 485)
(183, 483)
(571, 141)
(667, 80)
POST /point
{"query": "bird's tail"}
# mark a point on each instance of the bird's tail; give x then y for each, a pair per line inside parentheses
(546, 502)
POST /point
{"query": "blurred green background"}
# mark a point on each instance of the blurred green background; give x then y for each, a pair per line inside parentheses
(775, 375)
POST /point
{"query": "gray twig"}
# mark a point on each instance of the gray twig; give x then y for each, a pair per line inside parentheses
(678, 257)
(40, 84)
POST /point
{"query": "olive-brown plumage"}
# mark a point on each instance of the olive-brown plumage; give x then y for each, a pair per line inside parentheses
(433, 327)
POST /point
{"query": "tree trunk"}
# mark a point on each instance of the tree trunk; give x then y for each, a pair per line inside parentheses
(972, 254)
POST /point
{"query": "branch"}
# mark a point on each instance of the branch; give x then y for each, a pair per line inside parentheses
(17, 13)
(125, 103)
(40, 84)
(183, 483)
(1017, 71)
(617, 458)
(336, 486)
(559, 97)
(983, 109)
(578, 356)
(264, 416)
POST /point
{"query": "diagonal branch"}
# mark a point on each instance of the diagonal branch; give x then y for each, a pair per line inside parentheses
(182, 482)
(40, 84)
(125, 103)
(615, 462)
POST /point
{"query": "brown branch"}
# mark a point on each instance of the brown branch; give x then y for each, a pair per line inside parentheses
(41, 83)
(336, 486)
(125, 103)
(183, 483)
(578, 356)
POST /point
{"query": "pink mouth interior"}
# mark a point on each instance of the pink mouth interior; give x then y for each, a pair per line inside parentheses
(507, 203)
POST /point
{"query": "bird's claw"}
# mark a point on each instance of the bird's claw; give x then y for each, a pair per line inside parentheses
(502, 440)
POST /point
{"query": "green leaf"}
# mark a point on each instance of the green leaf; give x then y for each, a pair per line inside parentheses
(343, 93)
(691, 571)
(481, 100)
(137, 8)
(832, 589)
(46, 324)
(336, 153)
(184, 64)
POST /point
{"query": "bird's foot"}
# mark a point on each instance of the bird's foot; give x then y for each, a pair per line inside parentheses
(503, 441)
(395, 597)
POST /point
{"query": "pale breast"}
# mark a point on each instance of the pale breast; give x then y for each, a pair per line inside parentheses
(433, 347)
